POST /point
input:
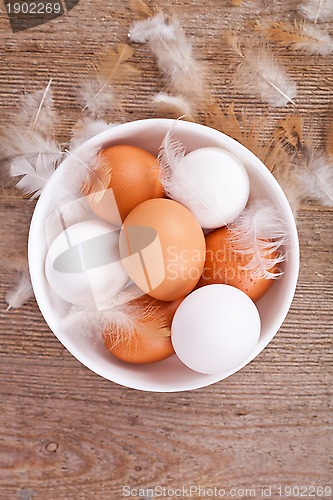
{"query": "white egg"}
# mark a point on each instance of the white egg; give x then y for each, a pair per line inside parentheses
(83, 265)
(215, 329)
(214, 186)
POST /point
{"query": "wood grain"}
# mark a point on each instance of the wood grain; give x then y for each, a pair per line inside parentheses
(66, 433)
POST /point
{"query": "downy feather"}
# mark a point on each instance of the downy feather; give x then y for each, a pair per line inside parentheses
(299, 35)
(30, 129)
(21, 293)
(34, 178)
(176, 183)
(86, 129)
(184, 75)
(261, 74)
(121, 321)
(37, 111)
(27, 145)
(316, 179)
(312, 168)
(97, 103)
(317, 10)
(28, 139)
(170, 159)
(68, 186)
(285, 171)
(153, 28)
(258, 232)
(97, 91)
(84, 165)
(172, 104)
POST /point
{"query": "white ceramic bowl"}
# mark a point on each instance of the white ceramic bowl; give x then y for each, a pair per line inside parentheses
(168, 375)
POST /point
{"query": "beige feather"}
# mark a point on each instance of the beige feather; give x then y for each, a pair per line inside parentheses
(113, 65)
(290, 131)
(140, 8)
(252, 133)
(97, 93)
(299, 35)
(248, 131)
(312, 169)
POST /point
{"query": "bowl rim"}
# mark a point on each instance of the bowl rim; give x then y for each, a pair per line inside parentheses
(128, 128)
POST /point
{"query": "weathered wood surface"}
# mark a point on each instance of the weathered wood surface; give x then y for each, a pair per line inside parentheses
(65, 433)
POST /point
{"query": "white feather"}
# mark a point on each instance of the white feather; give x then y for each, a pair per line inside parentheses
(316, 180)
(177, 184)
(153, 28)
(85, 129)
(174, 104)
(21, 292)
(262, 75)
(97, 103)
(68, 186)
(28, 139)
(258, 232)
(82, 164)
(184, 75)
(34, 178)
(94, 323)
(121, 319)
(27, 145)
(29, 129)
(321, 42)
(170, 160)
(317, 10)
(36, 111)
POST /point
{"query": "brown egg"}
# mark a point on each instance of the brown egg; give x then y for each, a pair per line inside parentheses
(162, 248)
(145, 344)
(224, 265)
(131, 173)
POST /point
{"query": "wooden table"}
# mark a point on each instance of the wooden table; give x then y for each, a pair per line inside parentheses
(66, 433)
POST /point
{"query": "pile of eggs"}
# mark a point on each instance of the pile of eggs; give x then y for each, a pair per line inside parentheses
(175, 251)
